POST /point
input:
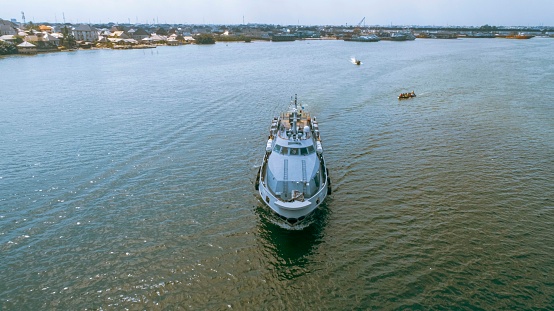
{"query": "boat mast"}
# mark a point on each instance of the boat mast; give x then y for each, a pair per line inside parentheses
(295, 116)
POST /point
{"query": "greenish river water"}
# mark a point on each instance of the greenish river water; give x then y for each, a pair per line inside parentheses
(126, 177)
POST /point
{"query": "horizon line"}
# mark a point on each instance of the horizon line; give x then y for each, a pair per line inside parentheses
(288, 25)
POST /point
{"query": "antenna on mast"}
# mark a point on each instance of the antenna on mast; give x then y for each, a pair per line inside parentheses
(23, 17)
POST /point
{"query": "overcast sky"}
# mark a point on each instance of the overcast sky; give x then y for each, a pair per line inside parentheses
(287, 12)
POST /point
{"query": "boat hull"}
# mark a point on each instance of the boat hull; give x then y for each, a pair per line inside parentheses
(406, 97)
(283, 38)
(363, 39)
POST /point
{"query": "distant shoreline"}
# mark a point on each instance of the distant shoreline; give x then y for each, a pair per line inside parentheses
(33, 38)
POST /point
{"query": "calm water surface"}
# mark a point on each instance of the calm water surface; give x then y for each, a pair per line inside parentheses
(126, 177)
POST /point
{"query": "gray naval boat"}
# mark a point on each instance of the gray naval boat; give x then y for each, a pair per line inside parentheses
(293, 179)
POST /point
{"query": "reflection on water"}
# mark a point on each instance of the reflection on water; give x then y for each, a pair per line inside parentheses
(291, 246)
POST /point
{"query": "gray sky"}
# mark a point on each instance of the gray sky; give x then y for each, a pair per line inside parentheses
(287, 12)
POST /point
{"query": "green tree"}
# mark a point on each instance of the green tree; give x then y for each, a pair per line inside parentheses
(7, 48)
(18, 39)
(161, 32)
(68, 39)
(204, 38)
(32, 26)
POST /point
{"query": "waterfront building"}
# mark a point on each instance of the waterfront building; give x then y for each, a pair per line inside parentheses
(188, 39)
(26, 48)
(120, 34)
(31, 37)
(85, 33)
(155, 38)
(45, 28)
(8, 38)
(140, 34)
(7, 28)
(172, 41)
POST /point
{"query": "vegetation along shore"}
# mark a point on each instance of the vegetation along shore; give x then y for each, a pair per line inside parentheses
(30, 38)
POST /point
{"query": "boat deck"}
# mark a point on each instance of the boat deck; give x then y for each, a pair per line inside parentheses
(302, 121)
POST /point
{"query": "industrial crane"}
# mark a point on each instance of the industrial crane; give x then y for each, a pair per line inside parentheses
(357, 30)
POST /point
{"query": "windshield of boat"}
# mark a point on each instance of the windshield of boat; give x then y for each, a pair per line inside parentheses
(293, 151)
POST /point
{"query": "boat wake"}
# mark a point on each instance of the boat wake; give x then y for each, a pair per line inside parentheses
(274, 219)
(355, 61)
(285, 225)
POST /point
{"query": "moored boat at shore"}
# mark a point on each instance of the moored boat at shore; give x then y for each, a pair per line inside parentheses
(396, 36)
(363, 38)
(519, 36)
(283, 37)
(293, 179)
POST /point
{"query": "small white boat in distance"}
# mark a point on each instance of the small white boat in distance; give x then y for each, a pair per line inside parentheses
(355, 61)
(293, 179)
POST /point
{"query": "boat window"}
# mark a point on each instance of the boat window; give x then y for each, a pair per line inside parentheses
(293, 151)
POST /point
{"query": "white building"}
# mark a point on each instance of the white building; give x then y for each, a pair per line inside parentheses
(85, 33)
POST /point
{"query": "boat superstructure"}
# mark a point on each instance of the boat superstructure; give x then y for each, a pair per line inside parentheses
(293, 179)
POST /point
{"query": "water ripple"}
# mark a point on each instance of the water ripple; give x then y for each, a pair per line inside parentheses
(138, 193)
